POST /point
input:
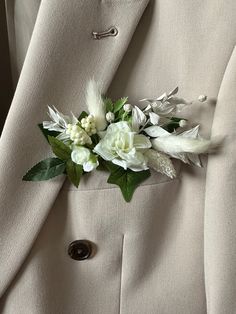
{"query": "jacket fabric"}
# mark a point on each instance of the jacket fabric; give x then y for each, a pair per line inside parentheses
(172, 249)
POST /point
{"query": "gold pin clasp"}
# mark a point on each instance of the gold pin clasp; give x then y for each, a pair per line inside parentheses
(112, 31)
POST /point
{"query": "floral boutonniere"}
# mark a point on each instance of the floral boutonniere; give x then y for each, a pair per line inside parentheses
(120, 138)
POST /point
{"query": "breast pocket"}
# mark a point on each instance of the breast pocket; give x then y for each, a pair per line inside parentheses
(97, 179)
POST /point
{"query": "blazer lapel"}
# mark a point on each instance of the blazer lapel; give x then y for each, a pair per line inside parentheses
(220, 217)
(62, 57)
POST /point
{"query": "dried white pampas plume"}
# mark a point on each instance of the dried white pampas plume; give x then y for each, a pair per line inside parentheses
(174, 144)
(186, 145)
(96, 105)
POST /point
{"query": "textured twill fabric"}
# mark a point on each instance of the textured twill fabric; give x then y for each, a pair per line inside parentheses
(172, 249)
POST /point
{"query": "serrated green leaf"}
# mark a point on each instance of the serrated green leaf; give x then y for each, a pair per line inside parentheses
(127, 180)
(46, 132)
(83, 114)
(119, 104)
(108, 104)
(45, 170)
(60, 149)
(74, 172)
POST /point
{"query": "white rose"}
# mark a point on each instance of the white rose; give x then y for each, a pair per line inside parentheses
(123, 147)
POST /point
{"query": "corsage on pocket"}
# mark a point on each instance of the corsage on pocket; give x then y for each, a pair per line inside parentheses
(122, 139)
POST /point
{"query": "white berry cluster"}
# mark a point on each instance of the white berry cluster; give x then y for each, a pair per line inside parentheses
(78, 135)
(88, 123)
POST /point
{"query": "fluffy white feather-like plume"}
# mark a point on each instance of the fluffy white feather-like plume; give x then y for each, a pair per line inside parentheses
(186, 145)
(96, 105)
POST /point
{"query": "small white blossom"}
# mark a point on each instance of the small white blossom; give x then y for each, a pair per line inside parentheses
(83, 156)
(110, 117)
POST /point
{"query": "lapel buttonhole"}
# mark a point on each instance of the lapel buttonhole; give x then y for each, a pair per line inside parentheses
(112, 31)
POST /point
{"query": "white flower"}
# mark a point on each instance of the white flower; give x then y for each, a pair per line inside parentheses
(83, 156)
(127, 107)
(123, 147)
(96, 105)
(110, 117)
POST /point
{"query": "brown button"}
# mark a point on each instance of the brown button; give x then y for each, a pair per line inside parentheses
(80, 249)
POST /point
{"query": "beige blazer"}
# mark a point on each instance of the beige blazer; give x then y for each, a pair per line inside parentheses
(172, 249)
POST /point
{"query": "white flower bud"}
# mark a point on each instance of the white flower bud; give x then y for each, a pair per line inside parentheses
(74, 128)
(182, 123)
(127, 107)
(202, 98)
(110, 116)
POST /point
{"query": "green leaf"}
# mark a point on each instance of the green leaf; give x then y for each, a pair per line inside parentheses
(46, 132)
(119, 104)
(108, 104)
(127, 180)
(174, 124)
(60, 149)
(95, 138)
(45, 169)
(74, 172)
(83, 114)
